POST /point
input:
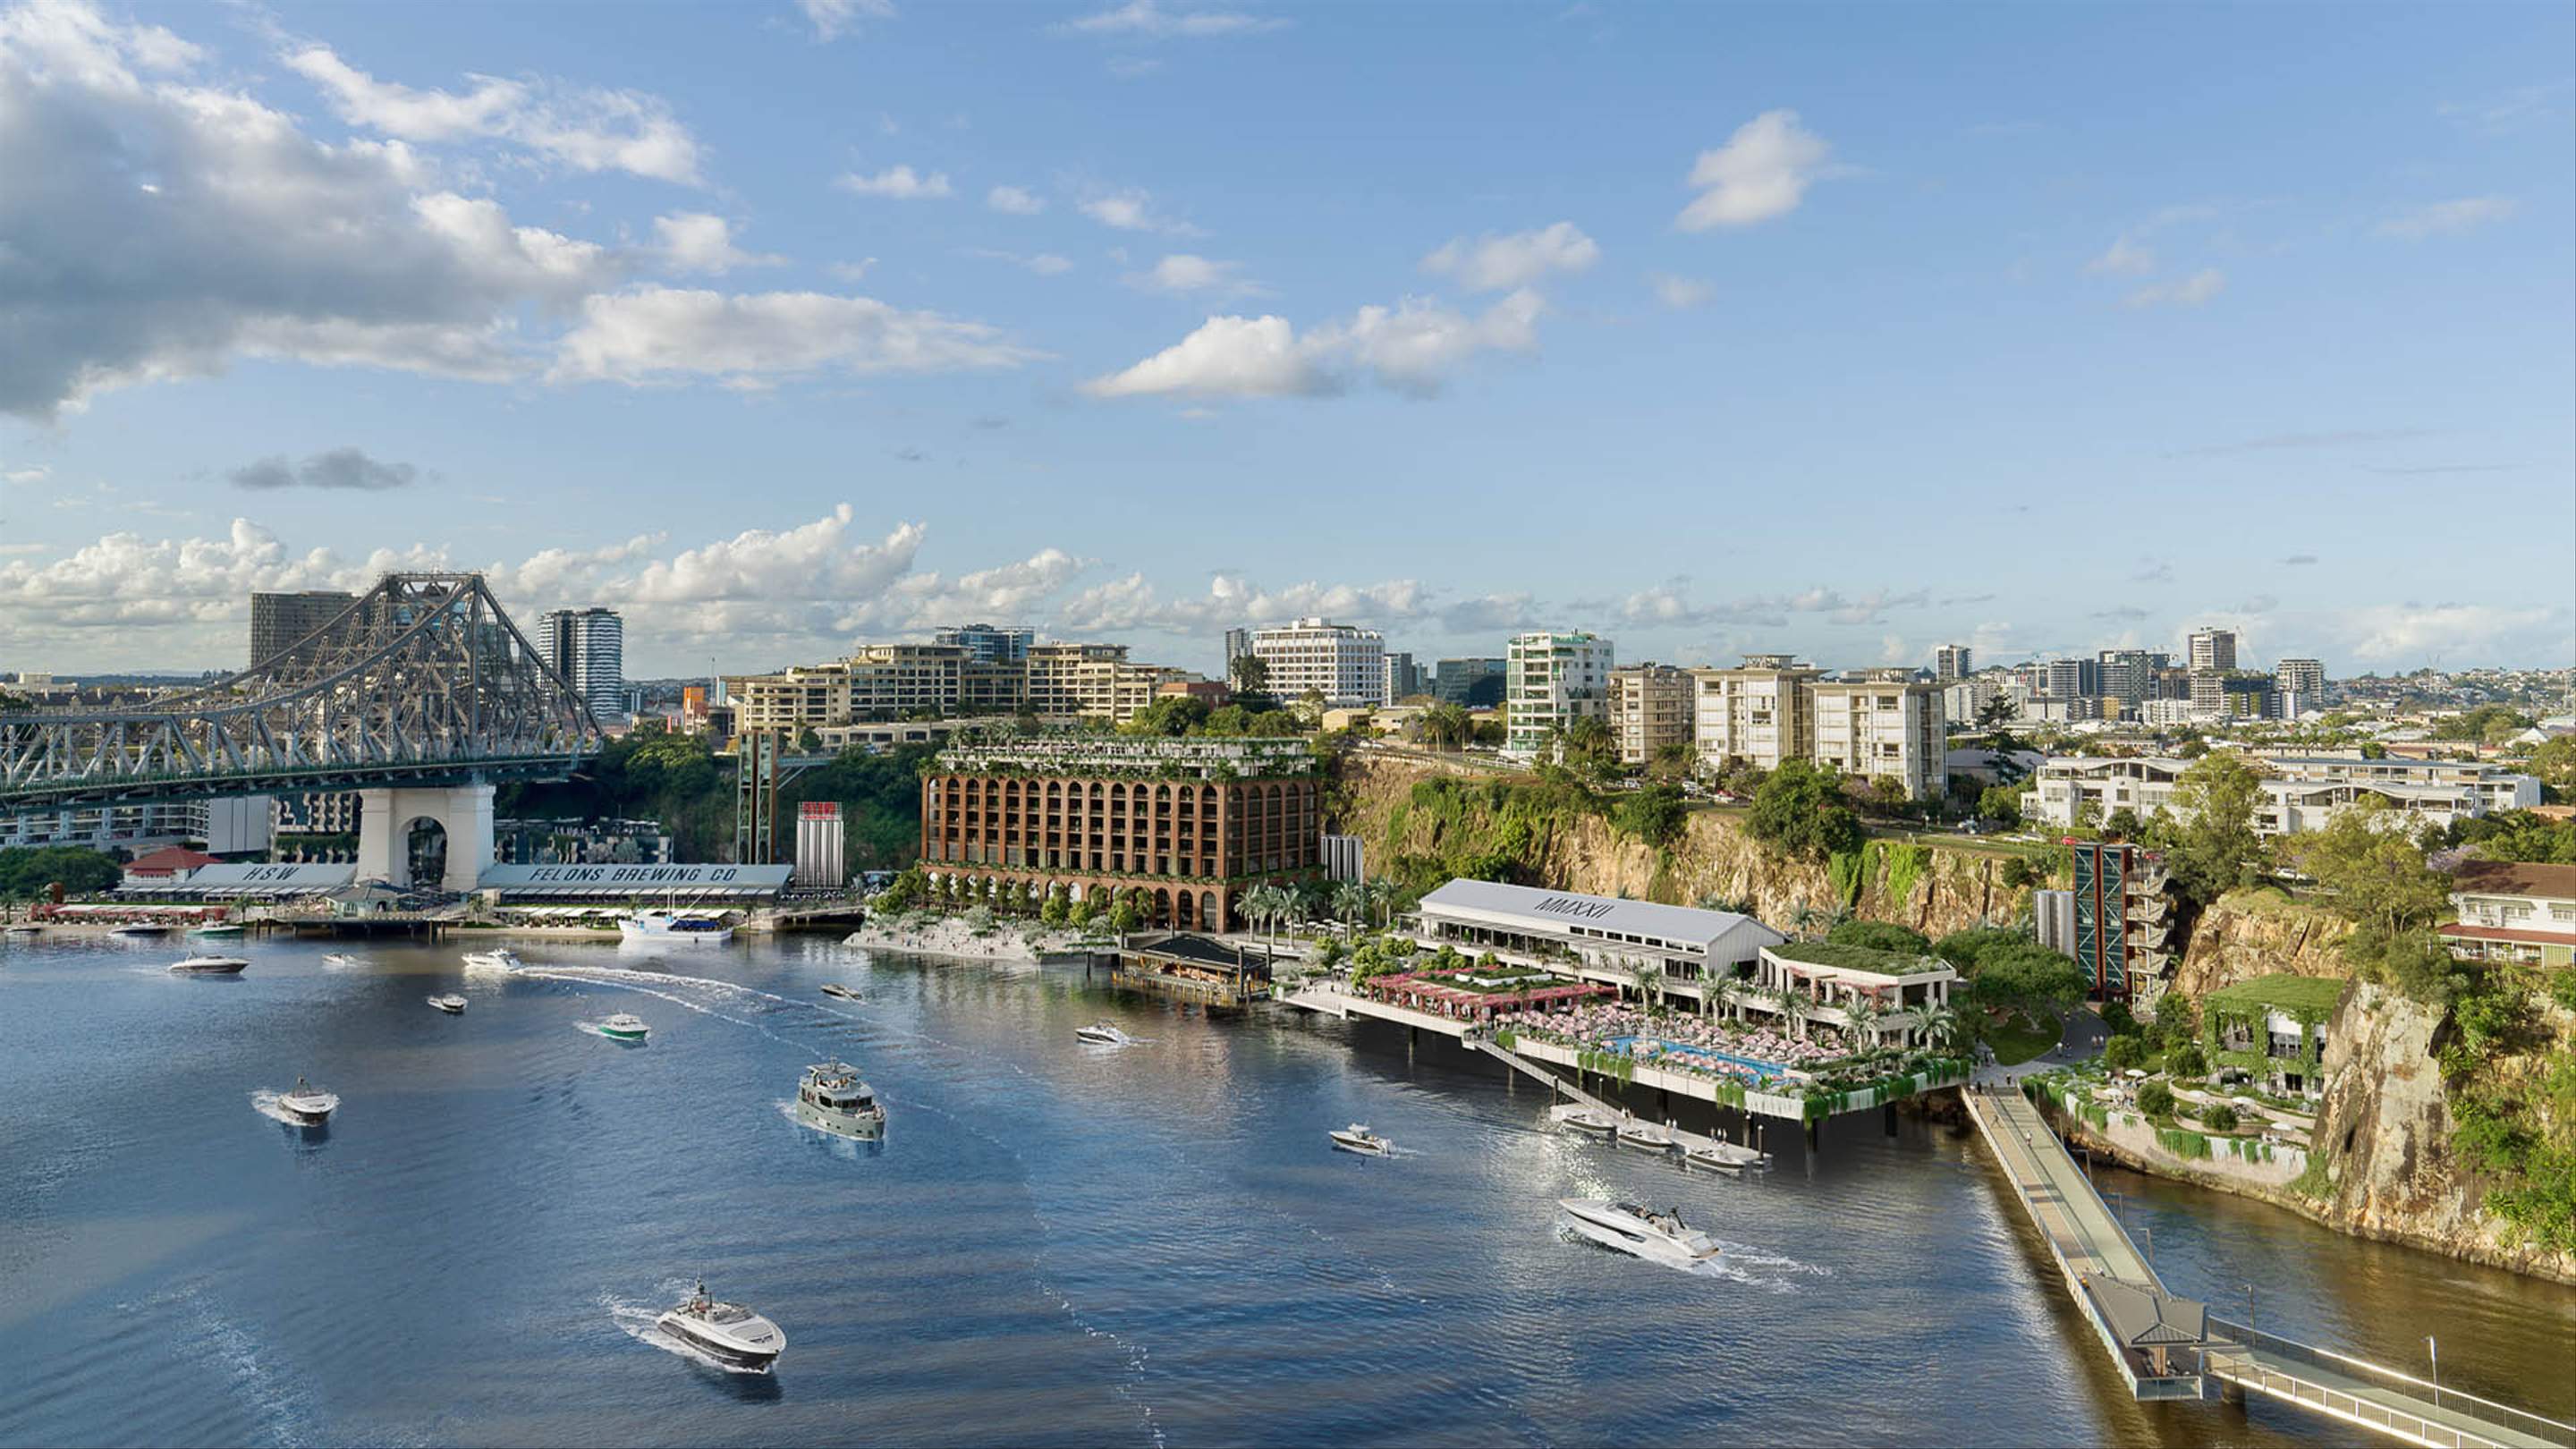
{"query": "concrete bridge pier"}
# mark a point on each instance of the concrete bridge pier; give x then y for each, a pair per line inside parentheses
(387, 818)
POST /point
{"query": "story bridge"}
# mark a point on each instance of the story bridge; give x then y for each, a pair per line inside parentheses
(420, 696)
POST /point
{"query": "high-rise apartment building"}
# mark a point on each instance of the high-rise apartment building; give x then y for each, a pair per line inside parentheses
(1550, 680)
(989, 643)
(2305, 678)
(1884, 724)
(1469, 683)
(280, 623)
(1756, 713)
(1342, 662)
(2072, 679)
(2213, 649)
(1650, 709)
(587, 649)
(1952, 663)
(895, 681)
(2240, 694)
(2127, 675)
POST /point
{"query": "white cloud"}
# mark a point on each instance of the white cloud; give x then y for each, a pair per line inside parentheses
(1045, 264)
(1133, 210)
(1680, 293)
(1148, 20)
(587, 129)
(1670, 605)
(1412, 348)
(1182, 273)
(2123, 258)
(897, 183)
(1494, 263)
(2452, 633)
(649, 334)
(697, 241)
(833, 19)
(338, 468)
(2188, 291)
(1014, 200)
(2444, 217)
(252, 240)
(1132, 602)
(1762, 172)
(852, 271)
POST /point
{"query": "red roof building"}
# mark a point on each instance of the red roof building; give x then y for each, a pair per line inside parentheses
(170, 862)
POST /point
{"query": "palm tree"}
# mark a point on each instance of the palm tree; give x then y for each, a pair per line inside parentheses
(1863, 1017)
(1382, 894)
(1350, 901)
(1641, 974)
(1793, 1005)
(1942, 1027)
(1266, 905)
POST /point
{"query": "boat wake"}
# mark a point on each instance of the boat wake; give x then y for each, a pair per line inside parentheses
(265, 1102)
(600, 1029)
(637, 1322)
(1736, 1263)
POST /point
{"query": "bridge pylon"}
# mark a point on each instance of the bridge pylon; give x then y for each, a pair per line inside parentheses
(458, 818)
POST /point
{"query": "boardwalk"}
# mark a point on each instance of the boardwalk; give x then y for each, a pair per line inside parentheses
(2109, 1281)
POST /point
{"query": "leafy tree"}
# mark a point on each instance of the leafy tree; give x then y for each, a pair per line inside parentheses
(2186, 1061)
(1880, 936)
(2486, 724)
(1587, 744)
(2000, 805)
(1675, 761)
(2214, 849)
(1054, 912)
(2156, 1099)
(1250, 674)
(1655, 815)
(1447, 726)
(1800, 811)
(1179, 714)
(2219, 1118)
(2027, 977)
(2518, 835)
(1123, 916)
(2554, 764)
(27, 872)
(2376, 875)
(2121, 1053)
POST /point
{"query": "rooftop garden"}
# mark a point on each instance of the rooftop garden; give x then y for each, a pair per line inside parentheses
(2308, 999)
(1858, 958)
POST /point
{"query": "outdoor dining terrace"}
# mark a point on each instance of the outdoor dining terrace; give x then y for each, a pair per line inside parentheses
(1483, 993)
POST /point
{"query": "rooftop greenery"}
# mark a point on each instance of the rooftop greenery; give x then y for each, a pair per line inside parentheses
(1858, 958)
(2306, 998)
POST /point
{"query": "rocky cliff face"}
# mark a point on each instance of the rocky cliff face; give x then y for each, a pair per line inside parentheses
(1935, 889)
(2246, 934)
(2384, 1135)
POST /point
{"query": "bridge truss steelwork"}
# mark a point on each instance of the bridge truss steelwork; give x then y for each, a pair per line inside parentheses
(424, 681)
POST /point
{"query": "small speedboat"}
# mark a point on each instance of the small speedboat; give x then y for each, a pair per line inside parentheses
(452, 1004)
(727, 1331)
(210, 966)
(1357, 1138)
(1102, 1033)
(26, 929)
(308, 1103)
(1657, 1236)
(1645, 1137)
(340, 960)
(1599, 1124)
(624, 1027)
(219, 929)
(140, 928)
(1712, 1159)
(499, 958)
(836, 989)
(832, 1098)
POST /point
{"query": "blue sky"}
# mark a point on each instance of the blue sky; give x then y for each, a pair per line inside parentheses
(1848, 331)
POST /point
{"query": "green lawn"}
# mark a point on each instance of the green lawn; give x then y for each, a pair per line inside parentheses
(2016, 1040)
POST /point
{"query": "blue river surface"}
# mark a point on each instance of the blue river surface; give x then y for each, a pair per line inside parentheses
(1054, 1243)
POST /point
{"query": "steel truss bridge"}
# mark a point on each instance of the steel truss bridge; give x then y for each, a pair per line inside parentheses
(424, 681)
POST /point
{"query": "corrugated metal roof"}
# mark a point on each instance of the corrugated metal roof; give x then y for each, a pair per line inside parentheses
(1560, 910)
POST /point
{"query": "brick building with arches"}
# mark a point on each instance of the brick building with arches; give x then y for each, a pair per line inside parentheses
(1186, 825)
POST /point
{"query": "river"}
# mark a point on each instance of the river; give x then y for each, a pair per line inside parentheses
(1054, 1244)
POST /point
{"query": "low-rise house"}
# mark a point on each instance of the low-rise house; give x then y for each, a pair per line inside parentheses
(2273, 1030)
(2514, 911)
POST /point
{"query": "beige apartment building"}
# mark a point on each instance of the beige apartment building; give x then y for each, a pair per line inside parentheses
(1884, 725)
(1756, 713)
(1650, 708)
(895, 681)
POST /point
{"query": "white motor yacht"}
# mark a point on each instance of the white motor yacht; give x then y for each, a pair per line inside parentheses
(1102, 1033)
(1645, 1137)
(210, 966)
(624, 1027)
(1599, 1124)
(836, 989)
(727, 1331)
(1711, 1159)
(499, 958)
(340, 960)
(672, 926)
(451, 1003)
(832, 1098)
(140, 928)
(1659, 1237)
(1357, 1138)
(308, 1103)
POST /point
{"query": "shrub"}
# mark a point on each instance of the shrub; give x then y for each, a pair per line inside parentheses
(2156, 1099)
(2186, 1061)
(2121, 1053)
(2221, 1118)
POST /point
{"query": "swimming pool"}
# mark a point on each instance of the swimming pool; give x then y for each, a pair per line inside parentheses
(1628, 1046)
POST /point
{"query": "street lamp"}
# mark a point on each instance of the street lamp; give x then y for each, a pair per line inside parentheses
(2249, 1305)
(2435, 1350)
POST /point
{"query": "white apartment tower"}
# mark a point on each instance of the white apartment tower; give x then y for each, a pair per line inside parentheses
(2213, 650)
(1550, 680)
(1650, 708)
(1885, 724)
(1952, 663)
(1756, 713)
(2305, 678)
(1344, 663)
(587, 647)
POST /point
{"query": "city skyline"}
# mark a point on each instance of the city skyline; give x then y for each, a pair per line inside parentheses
(1106, 343)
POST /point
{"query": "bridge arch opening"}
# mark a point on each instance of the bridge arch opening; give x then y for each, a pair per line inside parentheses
(424, 851)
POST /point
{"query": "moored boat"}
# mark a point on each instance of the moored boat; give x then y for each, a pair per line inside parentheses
(1711, 1159)
(1645, 1137)
(1598, 1124)
(727, 1331)
(220, 929)
(140, 928)
(671, 926)
(210, 966)
(307, 1103)
(499, 958)
(26, 928)
(1658, 1236)
(451, 1003)
(625, 1028)
(833, 1098)
(1358, 1138)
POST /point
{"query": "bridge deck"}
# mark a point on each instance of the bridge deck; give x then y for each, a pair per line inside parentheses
(2357, 1392)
